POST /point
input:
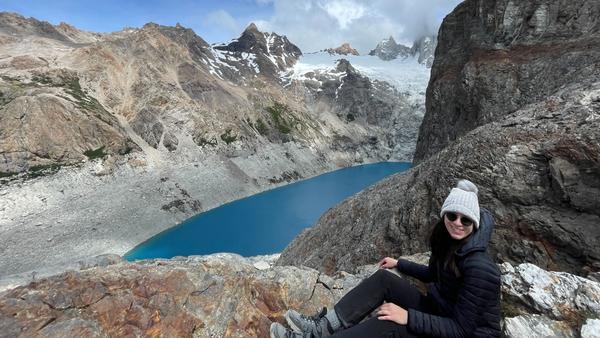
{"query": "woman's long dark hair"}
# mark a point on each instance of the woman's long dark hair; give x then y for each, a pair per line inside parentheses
(443, 247)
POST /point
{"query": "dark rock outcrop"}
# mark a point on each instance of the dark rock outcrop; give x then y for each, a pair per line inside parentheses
(537, 166)
(373, 104)
(497, 56)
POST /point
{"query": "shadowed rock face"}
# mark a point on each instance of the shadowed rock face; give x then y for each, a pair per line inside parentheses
(494, 57)
(422, 48)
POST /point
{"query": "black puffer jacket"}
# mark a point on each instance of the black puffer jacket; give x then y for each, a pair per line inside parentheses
(469, 304)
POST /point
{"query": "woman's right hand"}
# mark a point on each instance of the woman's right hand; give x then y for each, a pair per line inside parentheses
(388, 263)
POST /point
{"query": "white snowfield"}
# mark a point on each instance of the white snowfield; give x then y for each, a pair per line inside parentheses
(407, 75)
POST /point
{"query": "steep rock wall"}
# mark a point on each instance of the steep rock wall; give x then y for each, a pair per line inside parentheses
(494, 57)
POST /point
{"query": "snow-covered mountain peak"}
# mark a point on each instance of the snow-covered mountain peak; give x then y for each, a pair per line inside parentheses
(268, 53)
(423, 49)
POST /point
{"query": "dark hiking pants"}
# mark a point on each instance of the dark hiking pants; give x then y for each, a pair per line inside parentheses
(370, 294)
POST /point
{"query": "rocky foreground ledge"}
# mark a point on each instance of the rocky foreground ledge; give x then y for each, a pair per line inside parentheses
(226, 295)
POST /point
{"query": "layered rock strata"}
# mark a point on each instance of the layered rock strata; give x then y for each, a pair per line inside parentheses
(221, 295)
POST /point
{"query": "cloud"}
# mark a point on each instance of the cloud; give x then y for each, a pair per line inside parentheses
(221, 19)
(343, 11)
(319, 24)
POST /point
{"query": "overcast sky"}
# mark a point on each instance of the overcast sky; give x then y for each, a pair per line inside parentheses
(310, 24)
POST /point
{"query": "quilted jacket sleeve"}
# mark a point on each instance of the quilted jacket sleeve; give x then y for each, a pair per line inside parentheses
(419, 271)
(480, 289)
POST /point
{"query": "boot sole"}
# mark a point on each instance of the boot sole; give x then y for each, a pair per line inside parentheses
(271, 333)
(291, 322)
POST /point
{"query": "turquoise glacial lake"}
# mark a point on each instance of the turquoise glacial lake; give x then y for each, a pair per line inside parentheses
(267, 222)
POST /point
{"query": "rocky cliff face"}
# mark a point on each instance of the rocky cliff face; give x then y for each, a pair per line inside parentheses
(367, 103)
(537, 169)
(165, 83)
(497, 56)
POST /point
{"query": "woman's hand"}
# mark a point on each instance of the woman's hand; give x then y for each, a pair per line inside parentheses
(393, 312)
(388, 263)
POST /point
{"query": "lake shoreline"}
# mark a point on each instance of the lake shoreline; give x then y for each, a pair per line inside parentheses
(267, 221)
(50, 223)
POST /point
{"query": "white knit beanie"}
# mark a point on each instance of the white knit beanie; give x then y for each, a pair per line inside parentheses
(463, 199)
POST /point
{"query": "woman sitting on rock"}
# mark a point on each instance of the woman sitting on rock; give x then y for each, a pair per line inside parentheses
(463, 298)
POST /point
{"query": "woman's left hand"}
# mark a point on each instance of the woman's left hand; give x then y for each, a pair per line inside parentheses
(393, 312)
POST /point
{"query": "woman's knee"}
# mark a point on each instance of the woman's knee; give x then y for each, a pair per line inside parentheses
(385, 276)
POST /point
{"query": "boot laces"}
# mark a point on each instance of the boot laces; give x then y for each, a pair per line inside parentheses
(316, 319)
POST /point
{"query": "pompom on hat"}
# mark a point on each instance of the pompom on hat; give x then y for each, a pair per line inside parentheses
(463, 199)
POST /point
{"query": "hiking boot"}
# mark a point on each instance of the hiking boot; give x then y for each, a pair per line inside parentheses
(279, 331)
(316, 325)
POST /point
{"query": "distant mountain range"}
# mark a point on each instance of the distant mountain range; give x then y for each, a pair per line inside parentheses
(156, 119)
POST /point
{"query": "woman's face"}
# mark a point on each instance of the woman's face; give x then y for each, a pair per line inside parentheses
(456, 228)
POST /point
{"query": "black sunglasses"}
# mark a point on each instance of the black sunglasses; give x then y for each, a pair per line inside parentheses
(465, 221)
